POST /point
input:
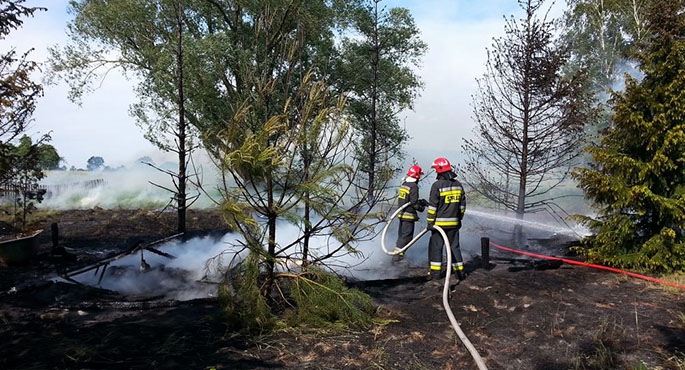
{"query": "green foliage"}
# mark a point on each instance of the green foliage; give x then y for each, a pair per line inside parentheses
(259, 91)
(376, 68)
(23, 176)
(292, 167)
(640, 366)
(321, 299)
(95, 163)
(18, 93)
(153, 39)
(244, 305)
(317, 299)
(49, 158)
(603, 353)
(601, 33)
(22, 162)
(638, 170)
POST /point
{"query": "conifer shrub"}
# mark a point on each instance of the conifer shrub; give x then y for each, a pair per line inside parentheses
(244, 305)
(314, 299)
(636, 175)
(321, 299)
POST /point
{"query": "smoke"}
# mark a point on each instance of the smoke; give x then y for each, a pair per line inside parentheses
(139, 186)
(194, 271)
(187, 276)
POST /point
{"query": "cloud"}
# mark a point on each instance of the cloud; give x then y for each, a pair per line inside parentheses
(442, 116)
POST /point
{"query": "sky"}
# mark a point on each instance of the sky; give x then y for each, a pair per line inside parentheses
(457, 33)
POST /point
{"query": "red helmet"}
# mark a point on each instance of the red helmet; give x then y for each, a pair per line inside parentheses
(441, 165)
(415, 171)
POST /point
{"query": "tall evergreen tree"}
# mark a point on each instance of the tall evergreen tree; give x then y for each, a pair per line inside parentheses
(529, 116)
(376, 69)
(637, 178)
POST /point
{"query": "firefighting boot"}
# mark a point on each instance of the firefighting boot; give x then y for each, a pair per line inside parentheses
(437, 275)
(458, 269)
(398, 257)
(461, 275)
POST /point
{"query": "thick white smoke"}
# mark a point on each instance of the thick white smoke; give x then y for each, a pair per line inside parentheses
(137, 186)
(187, 276)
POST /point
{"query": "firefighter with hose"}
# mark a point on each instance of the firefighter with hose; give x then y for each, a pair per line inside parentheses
(446, 207)
(408, 193)
(445, 211)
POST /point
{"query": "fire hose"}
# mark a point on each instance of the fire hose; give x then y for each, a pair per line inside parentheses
(446, 288)
(586, 264)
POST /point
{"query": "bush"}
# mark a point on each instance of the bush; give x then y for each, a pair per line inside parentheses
(315, 299)
(244, 305)
(321, 299)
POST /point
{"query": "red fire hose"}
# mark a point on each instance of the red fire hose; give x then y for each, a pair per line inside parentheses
(579, 263)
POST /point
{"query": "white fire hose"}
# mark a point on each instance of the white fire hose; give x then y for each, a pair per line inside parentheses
(446, 288)
(411, 242)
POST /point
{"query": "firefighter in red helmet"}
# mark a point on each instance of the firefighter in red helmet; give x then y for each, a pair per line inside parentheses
(408, 193)
(446, 207)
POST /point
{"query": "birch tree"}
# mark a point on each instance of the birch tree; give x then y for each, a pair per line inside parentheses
(602, 35)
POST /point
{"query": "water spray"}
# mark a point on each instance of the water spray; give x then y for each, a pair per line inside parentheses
(446, 288)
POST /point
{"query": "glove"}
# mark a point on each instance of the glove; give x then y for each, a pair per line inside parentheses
(423, 202)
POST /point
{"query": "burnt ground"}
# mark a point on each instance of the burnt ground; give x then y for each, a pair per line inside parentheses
(517, 316)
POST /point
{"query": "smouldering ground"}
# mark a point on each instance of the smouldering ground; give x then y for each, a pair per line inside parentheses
(565, 318)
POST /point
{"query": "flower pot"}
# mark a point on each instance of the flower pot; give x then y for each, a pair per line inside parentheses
(19, 250)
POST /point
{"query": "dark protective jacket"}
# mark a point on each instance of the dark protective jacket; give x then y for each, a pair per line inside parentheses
(447, 202)
(409, 193)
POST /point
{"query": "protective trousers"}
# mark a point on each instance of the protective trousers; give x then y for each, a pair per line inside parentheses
(405, 234)
(435, 249)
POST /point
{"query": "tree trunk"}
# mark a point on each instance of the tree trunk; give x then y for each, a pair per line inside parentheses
(374, 115)
(527, 83)
(307, 209)
(182, 176)
(271, 249)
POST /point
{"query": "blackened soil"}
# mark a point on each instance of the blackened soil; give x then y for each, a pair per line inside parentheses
(558, 317)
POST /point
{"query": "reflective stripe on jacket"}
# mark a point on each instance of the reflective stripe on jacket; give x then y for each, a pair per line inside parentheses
(447, 202)
(409, 193)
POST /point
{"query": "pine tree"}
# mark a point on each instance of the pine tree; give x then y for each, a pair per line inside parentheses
(529, 116)
(377, 68)
(637, 178)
